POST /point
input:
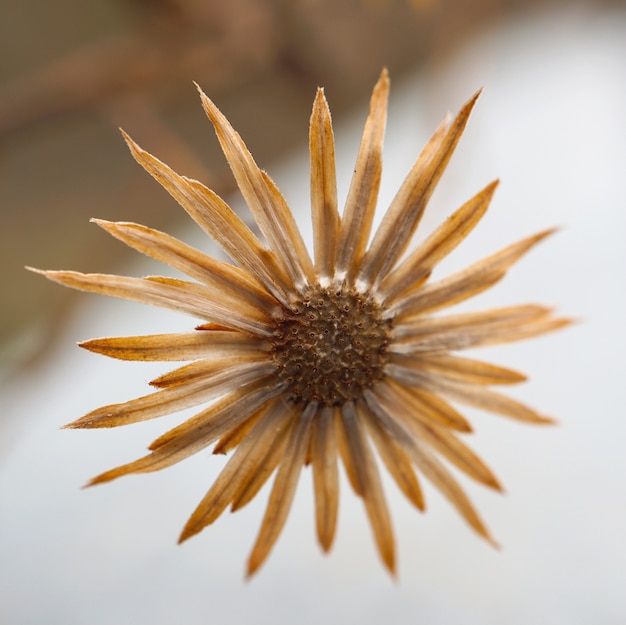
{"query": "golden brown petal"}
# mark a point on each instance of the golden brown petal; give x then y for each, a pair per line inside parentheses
(325, 475)
(218, 220)
(478, 396)
(363, 194)
(172, 399)
(399, 404)
(463, 284)
(417, 267)
(198, 432)
(223, 277)
(406, 209)
(265, 201)
(466, 369)
(284, 488)
(475, 329)
(172, 347)
(428, 464)
(326, 221)
(368, 481)
(184, 297)
(270, 426)
(396, 461)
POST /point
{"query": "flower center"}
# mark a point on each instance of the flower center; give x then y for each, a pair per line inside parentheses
(330, 346)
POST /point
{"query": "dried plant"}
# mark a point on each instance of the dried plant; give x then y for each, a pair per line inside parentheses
(303, 361)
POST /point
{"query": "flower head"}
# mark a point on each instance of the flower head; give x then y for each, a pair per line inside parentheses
(303, 361)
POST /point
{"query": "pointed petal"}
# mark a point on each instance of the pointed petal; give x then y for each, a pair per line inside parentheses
(198, 432)
(218, 220)
(283, 489)
(396, 461)
(463, 284)
(363, 194)
(172, 399)
(466, 370)
(266, 203)
(171, 347)
(247, 460)
(417, 267)
(431, 408)
(428, 464)
(325, 476)
(400, 405)
(215, 274)
(369, 484)
(178, 295)
(406, 209)
(324, 211)
(477, 396)
(234, 437)
(207, 369)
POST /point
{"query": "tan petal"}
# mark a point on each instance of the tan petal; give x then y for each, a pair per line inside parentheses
(478, 396)
(363, 194)
(184, 297)
(198, 432)
(417, 267)
(431, 408)
(406, 209)
(219, 221)
(273, 422)
(231, 439)
(428, 464)
(326, 221)
(465, 369)
(396, 461)
(171, 347)
(173, 399)
(476, 329)
(463, 284)
(284, 488)
(215, 367)
(399, 403)
(368, 480)
(224, 277)
(265, 201)
(325, 475)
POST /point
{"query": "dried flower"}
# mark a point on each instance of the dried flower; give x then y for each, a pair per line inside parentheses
(301, 361)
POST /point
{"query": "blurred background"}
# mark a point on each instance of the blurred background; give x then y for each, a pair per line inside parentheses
(550, 123)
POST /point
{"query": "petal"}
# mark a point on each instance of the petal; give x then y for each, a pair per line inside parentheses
(218, 220)
(184, 297)
(246, 462)
(284, 488)
(463, 284)
(465, 369)
(174, 398)
(326, 221)
(396, 461)
(368, 480)
(477, 396)
(198, 432)
(406, 209)
(363, 194)
(417, 267)
(399, 404)
(169, 347)
(265, 201)
(428, 464)
(325, 475)
(215, 274)
(475, 329)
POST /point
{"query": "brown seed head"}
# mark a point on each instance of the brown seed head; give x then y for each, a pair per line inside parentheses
(330, 346)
